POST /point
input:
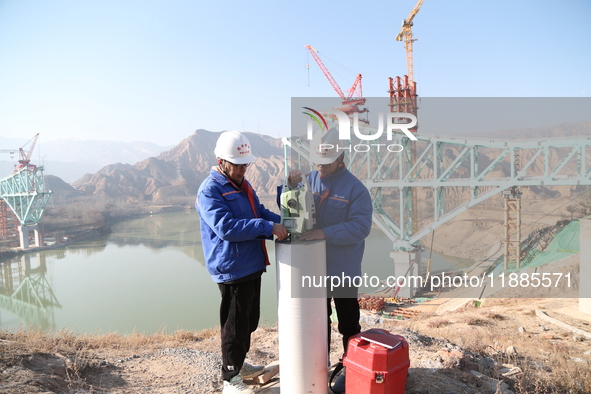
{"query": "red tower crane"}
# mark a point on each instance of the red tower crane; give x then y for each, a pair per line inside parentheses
(24, 157)
(354, 97)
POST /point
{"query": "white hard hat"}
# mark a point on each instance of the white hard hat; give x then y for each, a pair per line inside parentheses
(324, 147)
(233, 146)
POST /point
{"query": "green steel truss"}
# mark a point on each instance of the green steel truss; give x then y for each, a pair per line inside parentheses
(479, 169)
(24, 192)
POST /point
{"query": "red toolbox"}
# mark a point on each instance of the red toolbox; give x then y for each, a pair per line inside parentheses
(377, 362)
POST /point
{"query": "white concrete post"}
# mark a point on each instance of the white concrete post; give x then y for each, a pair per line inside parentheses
(406, 264)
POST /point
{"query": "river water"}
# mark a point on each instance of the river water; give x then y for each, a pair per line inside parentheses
(148, 275)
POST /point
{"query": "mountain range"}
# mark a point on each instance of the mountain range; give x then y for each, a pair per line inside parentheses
(70, 159)
(176, 174)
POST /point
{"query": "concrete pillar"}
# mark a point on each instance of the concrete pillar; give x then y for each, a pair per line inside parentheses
(585, 266)
(23, 233)
(38, 236)
(406, 264)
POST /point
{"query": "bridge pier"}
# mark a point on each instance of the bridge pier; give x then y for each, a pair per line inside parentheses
(406, 265)
(23, 232)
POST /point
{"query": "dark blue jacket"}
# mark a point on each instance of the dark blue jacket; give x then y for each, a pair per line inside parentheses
(345, 216)
(230, 233)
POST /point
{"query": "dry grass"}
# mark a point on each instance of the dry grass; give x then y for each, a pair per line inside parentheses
(547, 365)
(69, 341)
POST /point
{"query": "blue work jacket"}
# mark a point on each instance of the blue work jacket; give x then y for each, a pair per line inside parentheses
(231, 235)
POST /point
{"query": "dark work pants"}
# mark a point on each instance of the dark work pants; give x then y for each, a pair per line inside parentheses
(348, 315)
(239, 317)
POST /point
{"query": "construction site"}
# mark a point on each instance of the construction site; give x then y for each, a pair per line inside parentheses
(517, 319)
(23, 199)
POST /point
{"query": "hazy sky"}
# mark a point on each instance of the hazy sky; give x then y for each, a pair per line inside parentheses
(158, 70)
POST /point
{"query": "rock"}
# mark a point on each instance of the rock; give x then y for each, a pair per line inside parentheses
(489, 362)
(470, 378)
(511, 351)
(544, 328)
(587, 353)
(578, 338)
(579, 360)
(522, 329)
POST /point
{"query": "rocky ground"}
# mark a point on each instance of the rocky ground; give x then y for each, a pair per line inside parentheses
(500, 347)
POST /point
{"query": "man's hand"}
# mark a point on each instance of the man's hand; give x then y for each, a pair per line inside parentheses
(279, 231)
(312, 235)
(294, 177)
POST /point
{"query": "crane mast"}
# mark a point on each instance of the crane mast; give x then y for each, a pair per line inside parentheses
(403, 98)
(406, 35)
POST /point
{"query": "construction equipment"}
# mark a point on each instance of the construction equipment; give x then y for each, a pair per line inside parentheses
(297, 208)
(25, 157)
(406, 35)
(354, 97)
(25, 194)
(403, 98)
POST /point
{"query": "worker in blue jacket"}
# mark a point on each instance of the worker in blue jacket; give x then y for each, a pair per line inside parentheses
(343, 218)
(234, 227)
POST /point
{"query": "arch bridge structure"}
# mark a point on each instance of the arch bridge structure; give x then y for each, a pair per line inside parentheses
(452, 175)
(25, 194)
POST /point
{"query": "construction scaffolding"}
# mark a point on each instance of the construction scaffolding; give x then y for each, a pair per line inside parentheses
(512, 199)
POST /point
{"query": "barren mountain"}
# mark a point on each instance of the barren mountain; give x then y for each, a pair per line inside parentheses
(178, 172)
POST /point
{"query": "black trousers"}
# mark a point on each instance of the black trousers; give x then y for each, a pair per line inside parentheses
(348, 315)
(240, 310)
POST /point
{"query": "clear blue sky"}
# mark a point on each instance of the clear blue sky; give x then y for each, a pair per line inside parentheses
(158, 70)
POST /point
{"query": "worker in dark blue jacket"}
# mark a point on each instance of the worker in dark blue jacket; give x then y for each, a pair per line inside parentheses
(234, 227)
(343, 218)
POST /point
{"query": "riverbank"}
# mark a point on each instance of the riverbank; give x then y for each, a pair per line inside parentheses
(69, 233)
(501, 347)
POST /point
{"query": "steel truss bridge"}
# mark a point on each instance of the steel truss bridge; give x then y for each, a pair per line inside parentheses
(24, 192)
(479, 169)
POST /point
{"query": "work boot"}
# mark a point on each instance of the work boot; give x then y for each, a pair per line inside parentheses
(339, 384)
(251, 371)
(236, 386)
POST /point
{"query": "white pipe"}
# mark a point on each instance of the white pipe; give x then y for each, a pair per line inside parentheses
(302, 318)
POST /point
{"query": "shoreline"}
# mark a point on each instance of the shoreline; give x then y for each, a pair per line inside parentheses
(90, 231)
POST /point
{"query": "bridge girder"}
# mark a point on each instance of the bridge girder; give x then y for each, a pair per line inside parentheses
(484, 167)
(24, 192)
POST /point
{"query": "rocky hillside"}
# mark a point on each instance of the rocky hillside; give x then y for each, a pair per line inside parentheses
(178, 172)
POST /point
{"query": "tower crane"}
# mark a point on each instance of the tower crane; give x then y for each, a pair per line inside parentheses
(406, 35)
(24, 157)
(403, 98)
(354, 97)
